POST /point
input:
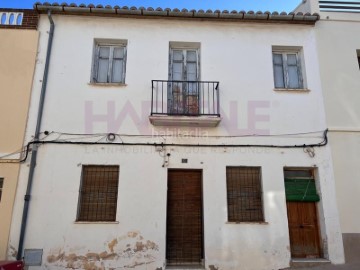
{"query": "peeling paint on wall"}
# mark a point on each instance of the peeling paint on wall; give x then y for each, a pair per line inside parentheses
(12, 252)
(112, 244)
(214, 267)
(127, 251)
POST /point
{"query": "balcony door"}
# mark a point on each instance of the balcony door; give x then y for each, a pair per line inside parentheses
(183, 88)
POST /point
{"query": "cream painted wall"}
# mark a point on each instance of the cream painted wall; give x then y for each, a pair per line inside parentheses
(18, 50)
(239, 55)
(10, 173)
(346, 149)
(338, 38)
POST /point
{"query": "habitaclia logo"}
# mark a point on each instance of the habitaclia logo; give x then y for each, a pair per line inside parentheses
(246, 118)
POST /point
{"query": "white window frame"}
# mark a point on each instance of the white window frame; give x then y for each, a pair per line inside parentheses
(95, 67)
(299, 59)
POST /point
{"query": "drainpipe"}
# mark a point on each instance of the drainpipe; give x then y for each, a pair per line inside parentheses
(36, 137)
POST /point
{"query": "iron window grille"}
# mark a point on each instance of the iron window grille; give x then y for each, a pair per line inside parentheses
(244, 194)
(98, 193)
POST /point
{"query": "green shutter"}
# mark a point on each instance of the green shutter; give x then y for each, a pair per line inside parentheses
(301, 190)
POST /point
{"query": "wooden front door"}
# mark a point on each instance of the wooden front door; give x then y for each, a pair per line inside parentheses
(184, 229)
(303, 229)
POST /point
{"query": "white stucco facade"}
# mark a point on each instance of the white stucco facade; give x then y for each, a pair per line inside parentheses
(239, 56)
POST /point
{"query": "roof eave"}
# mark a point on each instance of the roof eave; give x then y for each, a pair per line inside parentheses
(250, 16)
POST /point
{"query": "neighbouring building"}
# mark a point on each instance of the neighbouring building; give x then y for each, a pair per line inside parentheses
(338, 42)
(176, 137)
(18, 48)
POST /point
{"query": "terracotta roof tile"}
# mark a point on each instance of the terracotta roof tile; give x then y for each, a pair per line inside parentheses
(242, 15)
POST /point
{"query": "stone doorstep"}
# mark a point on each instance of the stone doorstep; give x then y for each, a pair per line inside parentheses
(184, 267)
(306, 263)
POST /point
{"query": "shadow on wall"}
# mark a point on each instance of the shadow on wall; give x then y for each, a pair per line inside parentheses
(352, 247)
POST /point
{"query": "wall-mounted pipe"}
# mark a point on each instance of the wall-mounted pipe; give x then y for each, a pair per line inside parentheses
(36, 137)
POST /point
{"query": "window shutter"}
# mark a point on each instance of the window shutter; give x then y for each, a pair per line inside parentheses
(177, 68)
(293, 72)
(300, 75)
(103, 65)
(117, 65)
(95, 64)
(278, 70)
(191, 63)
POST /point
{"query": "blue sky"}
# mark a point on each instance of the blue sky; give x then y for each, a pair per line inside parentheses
(262, 5)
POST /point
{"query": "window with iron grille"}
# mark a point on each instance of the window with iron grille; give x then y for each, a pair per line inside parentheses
(109, 62)
(287, 70)
(1, 186)
(244, 194)
(98, 193)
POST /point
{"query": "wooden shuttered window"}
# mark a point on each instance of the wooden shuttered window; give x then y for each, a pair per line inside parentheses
(98, 193)
(109, 64)
(244, 194)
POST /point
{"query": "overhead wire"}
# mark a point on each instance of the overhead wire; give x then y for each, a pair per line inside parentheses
(190, 135)
(41, 142)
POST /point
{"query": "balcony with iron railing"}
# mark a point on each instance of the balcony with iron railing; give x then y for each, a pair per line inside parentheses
(185, 103)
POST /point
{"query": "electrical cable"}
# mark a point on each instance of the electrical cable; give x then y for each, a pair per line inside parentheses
(324, 142)
(189, 135)
(19, 151)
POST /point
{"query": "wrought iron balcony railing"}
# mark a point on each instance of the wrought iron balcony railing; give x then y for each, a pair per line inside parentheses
(185, 98)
